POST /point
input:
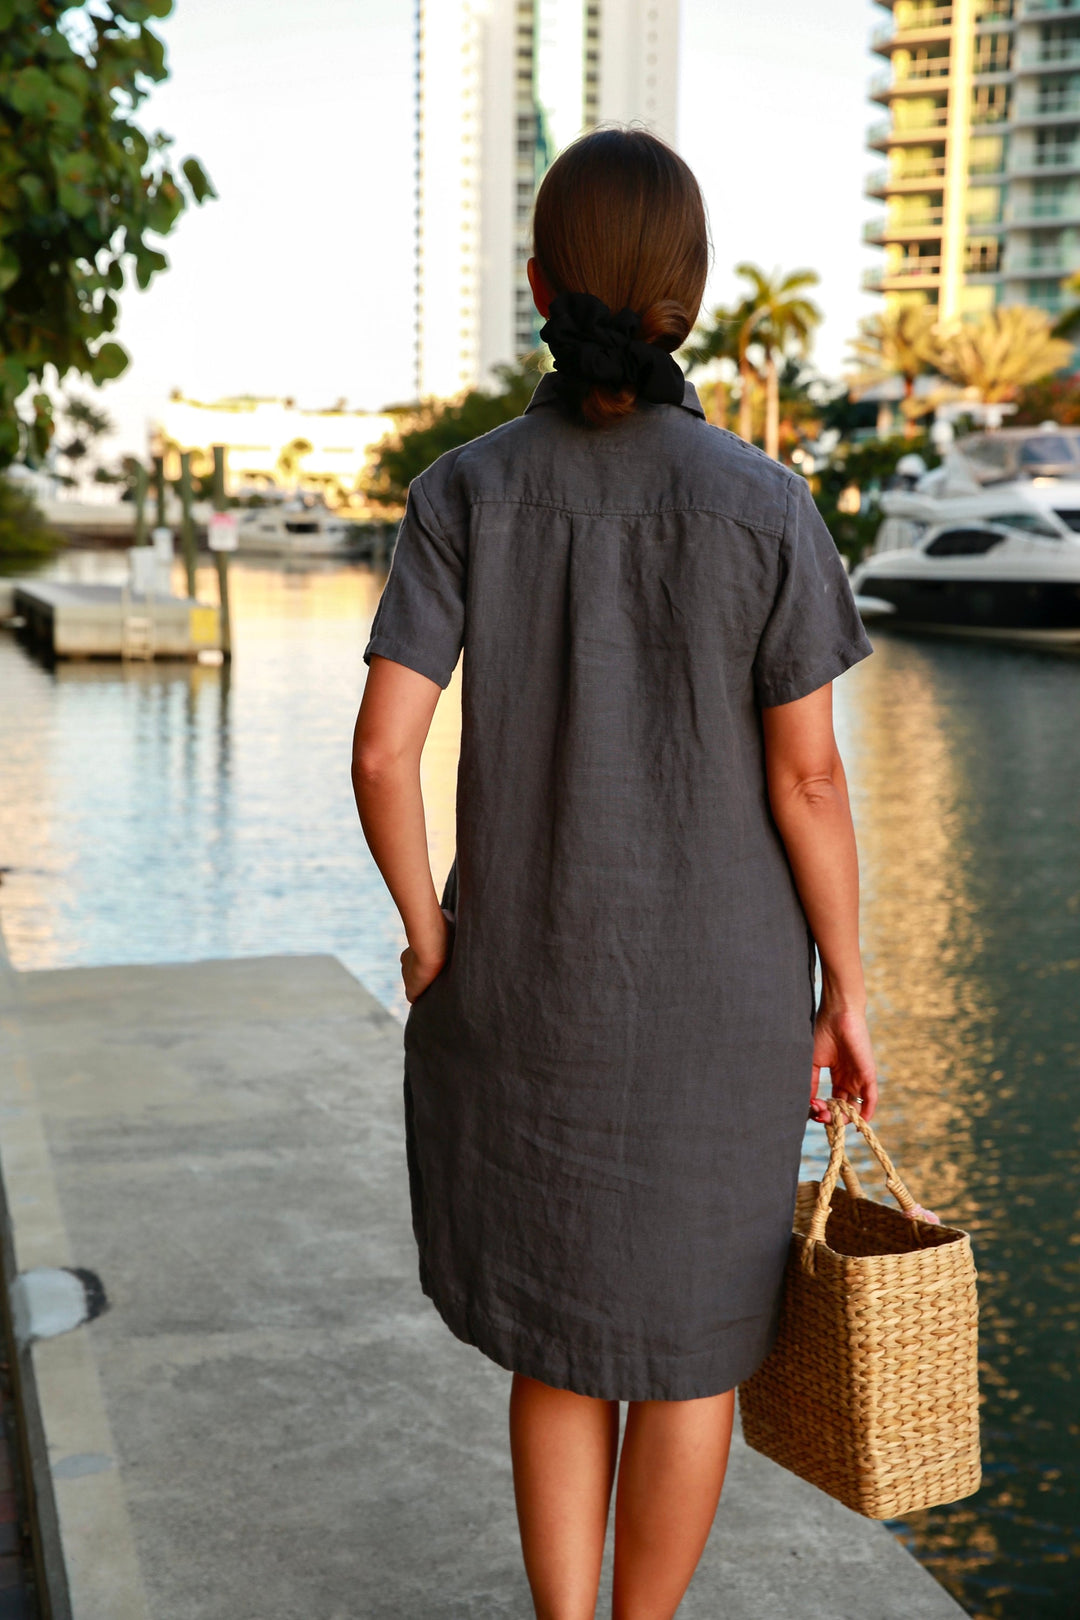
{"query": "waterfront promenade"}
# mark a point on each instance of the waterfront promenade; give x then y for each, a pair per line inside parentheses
(268, 1420)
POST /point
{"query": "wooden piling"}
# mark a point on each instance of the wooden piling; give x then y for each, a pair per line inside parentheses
(187, 521)
(221, 558)
(159, 490)
(142, 483)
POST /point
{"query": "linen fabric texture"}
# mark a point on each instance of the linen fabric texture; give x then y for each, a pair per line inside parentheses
(607, 1085)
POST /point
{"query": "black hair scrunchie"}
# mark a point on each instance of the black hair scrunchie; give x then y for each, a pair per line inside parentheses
(591, 345)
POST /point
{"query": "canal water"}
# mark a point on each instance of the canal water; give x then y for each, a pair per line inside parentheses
(155, 813)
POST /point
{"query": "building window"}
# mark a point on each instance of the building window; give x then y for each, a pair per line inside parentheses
(990, 104)
(981, 255)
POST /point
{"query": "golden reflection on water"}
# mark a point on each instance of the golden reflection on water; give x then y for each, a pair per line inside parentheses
(940, 955)
(931, 1022)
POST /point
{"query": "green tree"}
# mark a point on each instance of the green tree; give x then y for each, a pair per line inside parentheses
(85, 194)
(899, 342)
(431, 428)
(25, 537)
(782, 321)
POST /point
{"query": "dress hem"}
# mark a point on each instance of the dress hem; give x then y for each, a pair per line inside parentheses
(566, 1370)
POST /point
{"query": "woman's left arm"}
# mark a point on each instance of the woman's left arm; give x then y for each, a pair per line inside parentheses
(391, 729)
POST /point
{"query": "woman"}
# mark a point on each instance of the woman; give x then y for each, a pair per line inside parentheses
(612, 1036)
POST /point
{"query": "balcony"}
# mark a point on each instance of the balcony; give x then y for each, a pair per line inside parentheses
(930, 126)
(911, 229)
(1049, 8)
(1063, 55)
(935, 19)
(912, 272)
(871, 280)
(1025, 219)
(1040, 264)
(1042, 113)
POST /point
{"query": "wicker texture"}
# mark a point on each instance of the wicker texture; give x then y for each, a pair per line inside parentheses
(871, 1391)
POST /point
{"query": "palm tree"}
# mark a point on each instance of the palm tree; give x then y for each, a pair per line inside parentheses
(901, 343)
(782, 320)
(1000, 352)
(726, 335)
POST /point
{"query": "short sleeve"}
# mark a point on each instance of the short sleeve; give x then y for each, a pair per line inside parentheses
(420, 619)
(813, 632)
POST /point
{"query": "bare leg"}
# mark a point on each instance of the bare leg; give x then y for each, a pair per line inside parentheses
(563, 1448)
(671, 1472)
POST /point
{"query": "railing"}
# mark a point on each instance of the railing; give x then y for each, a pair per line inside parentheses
(921, 122)
(1069, 107)
(1058, 208)
(916, 22)
(1063, 51)
(912, 269)
(871, 280)
(1043, 264)
(1040, 8)
(1051, 157)
(878, 230)
(877, 181)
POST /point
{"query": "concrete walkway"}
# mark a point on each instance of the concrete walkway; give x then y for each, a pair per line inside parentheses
(268, 1420)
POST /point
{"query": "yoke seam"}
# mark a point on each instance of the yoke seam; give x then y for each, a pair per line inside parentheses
(622, 511)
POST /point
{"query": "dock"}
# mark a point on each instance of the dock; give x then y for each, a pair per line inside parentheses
(112, 621)
(257, 1414)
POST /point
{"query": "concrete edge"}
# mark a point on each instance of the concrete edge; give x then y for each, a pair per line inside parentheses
(84, 1546)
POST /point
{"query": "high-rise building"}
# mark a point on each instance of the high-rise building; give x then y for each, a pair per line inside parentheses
(502, 86)
(982, 183)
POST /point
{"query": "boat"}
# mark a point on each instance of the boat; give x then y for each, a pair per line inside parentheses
(303, 526)
(987, 544)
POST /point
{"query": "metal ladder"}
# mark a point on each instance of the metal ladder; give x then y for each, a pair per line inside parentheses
(136, 628)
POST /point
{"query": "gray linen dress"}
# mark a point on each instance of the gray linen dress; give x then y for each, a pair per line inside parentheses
(606, 1087)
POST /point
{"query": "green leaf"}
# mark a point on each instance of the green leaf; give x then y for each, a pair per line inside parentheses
(8, 8)
(109, 361)
(33, 189)
(37, 94)
(197, 178)
(13, 377)
(9, 268)
(148, 261)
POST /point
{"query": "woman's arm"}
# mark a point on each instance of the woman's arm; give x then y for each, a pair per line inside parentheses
(809, 799)
(391, 729)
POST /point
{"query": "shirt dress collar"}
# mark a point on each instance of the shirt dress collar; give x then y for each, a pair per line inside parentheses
(544, 394)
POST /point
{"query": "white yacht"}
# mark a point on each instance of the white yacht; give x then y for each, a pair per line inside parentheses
(988, 544)
(301, 527)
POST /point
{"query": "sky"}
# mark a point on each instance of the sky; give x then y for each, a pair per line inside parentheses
(298, 280)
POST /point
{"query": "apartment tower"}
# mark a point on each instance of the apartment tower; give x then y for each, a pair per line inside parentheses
(502, 86)
(982, 144)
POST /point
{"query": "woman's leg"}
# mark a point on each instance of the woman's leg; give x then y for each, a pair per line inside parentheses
(563, 1448)
(672, 1467)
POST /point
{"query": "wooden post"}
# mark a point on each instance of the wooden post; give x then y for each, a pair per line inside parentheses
(220, 557)
(142, 483)
(159, 482)
(187, 521)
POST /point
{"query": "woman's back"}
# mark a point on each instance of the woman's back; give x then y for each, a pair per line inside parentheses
(627, 598)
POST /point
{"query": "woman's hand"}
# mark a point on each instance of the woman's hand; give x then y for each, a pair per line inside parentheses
(420, 967)
(842, 1045)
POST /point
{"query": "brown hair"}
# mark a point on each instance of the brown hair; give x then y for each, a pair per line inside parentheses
(620, 215)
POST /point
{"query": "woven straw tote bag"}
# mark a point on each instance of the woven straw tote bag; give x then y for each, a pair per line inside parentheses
(871, 1390)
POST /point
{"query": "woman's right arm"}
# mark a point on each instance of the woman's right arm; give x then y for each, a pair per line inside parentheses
(809, 801)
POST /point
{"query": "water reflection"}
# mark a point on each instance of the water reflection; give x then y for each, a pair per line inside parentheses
(965, 768)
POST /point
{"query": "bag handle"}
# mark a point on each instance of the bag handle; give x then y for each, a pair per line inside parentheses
(840, 1113)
